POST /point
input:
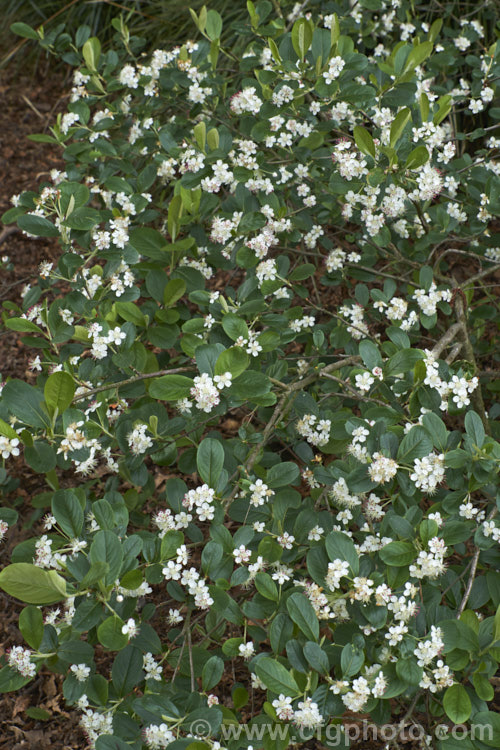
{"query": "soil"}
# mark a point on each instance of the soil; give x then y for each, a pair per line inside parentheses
(28, 105)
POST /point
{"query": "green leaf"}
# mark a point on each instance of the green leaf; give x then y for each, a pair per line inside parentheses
(22, 29)
(170, 543)
(22, 325)
(398, 554)
(170, 387)
(276, 677)
(213, 26)
(59, 391)
(83, 219)
(91, 51)
(210, 461)
(31, 626)
(302, 36)
(364, 141)
(39, 714)
(130, 312)
(474, 428)
(40, 456)
(409, 671)
(436, 430)
(283, 474)
(457, 634)
(417, 158)
(213, 669)
(8, 431)
(403, 361)
(32, 584)
(110, 634)
(68, 512)
(415, 444)
(436, 27)
(398, 125)
(370, 354)
(266, 586)
(496, 627)
(25, 402)
(302, 272)
(316, 657)
(11, 679)
(149, 242)
(173, 291)
(457, 704)
(302, 613)
(127, 672)
(37, 226)
(106, 548)
(234, 326)
(234, 360)
(483, 687)
(417, 56)
(352, 659)
(340, 547)
(487, 728)
(444, 106)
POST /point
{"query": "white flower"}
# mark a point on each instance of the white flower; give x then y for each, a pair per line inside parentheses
(307, 714)
(382, 469)
(130, 628)
(241, 554)
(223, 381)
(246, 650)
(283, 707)
(20, 659)
(81, 671)
(8, 447)
(138, 441)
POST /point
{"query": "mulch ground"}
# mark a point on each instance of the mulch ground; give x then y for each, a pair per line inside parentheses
(27, 105)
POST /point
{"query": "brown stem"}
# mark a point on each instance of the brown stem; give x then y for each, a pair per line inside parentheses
(120, 383)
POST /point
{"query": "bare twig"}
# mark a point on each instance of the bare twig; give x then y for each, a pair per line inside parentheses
(120, 383)
(472, 574)
(481, 275)
(446, 339)
(476, 396)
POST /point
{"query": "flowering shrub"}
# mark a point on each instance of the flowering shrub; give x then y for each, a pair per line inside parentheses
(256, 294)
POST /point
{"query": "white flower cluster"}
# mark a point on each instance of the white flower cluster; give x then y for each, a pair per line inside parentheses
(316, 432)
(95, 723)
(153, 670)
(19, 658)
(382, 469)
(358, 328)
(138, 441)
(201, 501)
(336, 570)
(459, 388)
(430, 564)
(307, 714)
(260, 493)
(428, 472)
(427, 301)
(205, 391)
(335, 68)
(246, 101)
(158, 736)
(190, 578)
(341, 495)
(350, 163)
